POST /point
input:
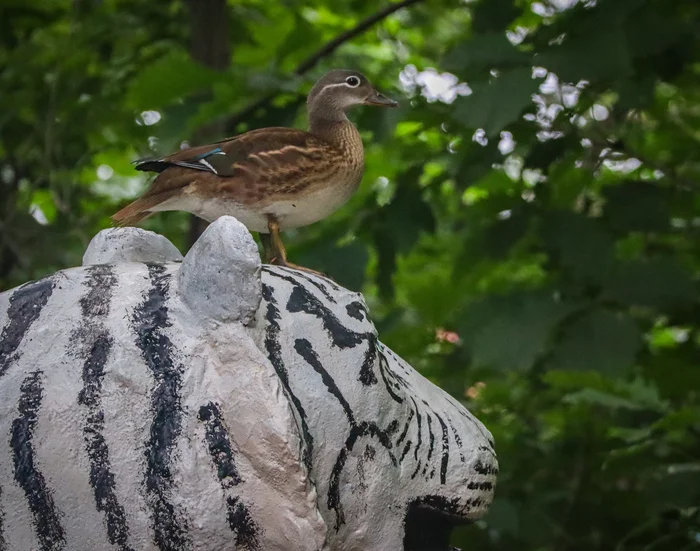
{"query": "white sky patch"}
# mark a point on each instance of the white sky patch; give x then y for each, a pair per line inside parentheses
(569, 95)
(533, 176)
(507, 143)
(434, 86)
(504, 214)
(384, 190)
(599, 112)
(626, 166)
(105, 172)
(528, 195)
(550, 84)
(150, 118)
(551, 7)
(517, 36)
(38, 214)
(562, 5)
(7, 174)
(554, 98)
(480, 137)
(545, 135)
(119, 188)
(538, 8)
(512, 167)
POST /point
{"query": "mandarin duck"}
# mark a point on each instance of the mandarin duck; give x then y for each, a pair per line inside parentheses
(271, 179)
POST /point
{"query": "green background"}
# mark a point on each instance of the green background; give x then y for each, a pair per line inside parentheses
(529, 238)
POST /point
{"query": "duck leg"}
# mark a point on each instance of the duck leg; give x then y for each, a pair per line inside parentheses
(268, 250)
(277, 254)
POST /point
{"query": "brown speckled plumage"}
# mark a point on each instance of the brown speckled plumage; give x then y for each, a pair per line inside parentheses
(271, 178)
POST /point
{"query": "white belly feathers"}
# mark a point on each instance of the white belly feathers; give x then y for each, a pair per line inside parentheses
(292, 213)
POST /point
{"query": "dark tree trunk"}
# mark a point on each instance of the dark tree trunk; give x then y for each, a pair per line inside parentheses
(209, 45)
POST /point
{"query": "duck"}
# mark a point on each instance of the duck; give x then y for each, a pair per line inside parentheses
(270, 179)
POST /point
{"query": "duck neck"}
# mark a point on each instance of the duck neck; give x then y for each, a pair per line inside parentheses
(328, 120)
(336, 132)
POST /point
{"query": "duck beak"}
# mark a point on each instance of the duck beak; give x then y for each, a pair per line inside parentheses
(375, 98)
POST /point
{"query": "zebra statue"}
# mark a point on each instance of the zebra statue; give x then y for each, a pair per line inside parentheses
(154, 402)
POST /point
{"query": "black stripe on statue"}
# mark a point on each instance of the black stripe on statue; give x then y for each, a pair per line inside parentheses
(241, 522)
(39, 498)
(406, 449)
(304, 349)
(357, 431)
(420, 438)
(26, 304)
(274, 354)
(3, 543)
(301, 300)
(327, 282)
(367, 376)
(357, 310)
(431, 436)
(396, 379)
(219, 445)
(96, 346)
(458, 439)
(383, 370)
(411, 413)
(101, 475)
(480, 486)
(309, 279)
(149, 320)
(480, 468)
(431, 441)
(464, 413)
(365, 428)
(100, 284)
(445, 449)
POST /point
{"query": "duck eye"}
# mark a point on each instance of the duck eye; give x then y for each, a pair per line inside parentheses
(353, 82)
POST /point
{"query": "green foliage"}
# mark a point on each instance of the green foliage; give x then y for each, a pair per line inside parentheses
(494, 105)
(563, 265)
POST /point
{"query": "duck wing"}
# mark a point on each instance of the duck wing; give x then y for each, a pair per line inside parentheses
(266, 157)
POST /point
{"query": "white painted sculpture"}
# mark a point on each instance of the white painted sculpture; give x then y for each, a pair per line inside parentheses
(216, 404)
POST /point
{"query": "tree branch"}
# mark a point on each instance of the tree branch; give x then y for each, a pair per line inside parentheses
(358, 29)
(327, 49)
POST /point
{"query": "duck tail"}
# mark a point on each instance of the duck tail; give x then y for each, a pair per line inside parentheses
(134, 212)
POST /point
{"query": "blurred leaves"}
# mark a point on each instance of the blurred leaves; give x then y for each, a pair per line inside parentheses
(510, 333)
(183, 75)
(494, 105)
(598, 340)
(527, 232)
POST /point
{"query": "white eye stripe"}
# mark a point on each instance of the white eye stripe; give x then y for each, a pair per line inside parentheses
(329, 86)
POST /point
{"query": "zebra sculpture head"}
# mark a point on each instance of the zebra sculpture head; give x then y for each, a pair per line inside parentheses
(151, 402)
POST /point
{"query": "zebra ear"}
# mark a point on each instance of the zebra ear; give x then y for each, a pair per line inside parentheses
(220, 275)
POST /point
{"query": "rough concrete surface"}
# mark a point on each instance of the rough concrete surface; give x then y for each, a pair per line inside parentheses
(217, 405)
(115, 245)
